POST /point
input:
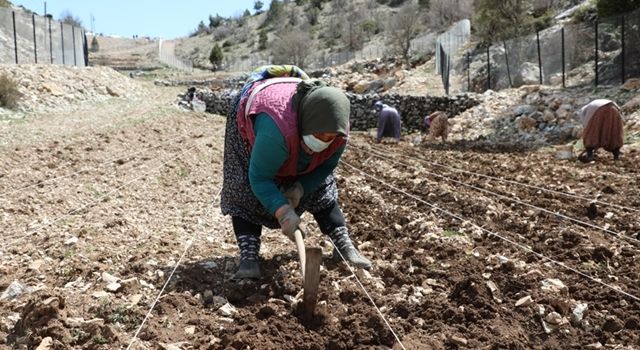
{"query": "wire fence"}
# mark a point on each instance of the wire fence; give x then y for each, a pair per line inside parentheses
(419, 46)
(167, 55)
(604, 52)
(28, 38)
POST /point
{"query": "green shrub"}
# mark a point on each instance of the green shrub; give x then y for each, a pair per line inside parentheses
(312, 15)
(496, 20)
(95, 46)
(583, 12)
(263, 39)
(216, 56)
(371, 26)
(226, 44)
(9, 94)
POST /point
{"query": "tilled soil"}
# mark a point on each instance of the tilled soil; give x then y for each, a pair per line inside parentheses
(100, 218)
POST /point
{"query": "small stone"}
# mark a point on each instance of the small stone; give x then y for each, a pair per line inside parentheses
(459, 341)
(553, 285)
(218, 301)
(114, 287)
(14, 290)
(71, 241)
(226, 319)
(227, 310)
(100, 294)
(553, 318)
(109, 278)
(578, 312)
(524, 301)
(363, 275)
(547, 327)
(207, 297)
(190, 330)
(135, 299)
(35, 265)
(45, 344)
(594, 346)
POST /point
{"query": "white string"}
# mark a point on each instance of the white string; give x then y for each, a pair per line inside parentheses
(367, 293)
(614, 233)
(166, 283)
(95, 201)
(521, 246)
(2, 195)
(518, 183)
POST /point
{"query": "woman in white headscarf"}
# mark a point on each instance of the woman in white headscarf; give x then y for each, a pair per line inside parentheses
(603, 128)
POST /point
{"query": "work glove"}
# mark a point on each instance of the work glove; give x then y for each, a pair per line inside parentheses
(293, 193)
(288, 220)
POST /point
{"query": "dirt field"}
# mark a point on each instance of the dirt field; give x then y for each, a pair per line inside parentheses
(104, 209)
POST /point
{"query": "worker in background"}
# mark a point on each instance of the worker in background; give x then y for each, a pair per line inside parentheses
(437, 125)
(388, 121)
(603, 128)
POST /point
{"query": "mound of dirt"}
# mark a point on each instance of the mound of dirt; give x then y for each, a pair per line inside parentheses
(54, 87)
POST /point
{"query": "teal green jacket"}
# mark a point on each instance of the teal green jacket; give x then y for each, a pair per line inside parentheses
(269, 153)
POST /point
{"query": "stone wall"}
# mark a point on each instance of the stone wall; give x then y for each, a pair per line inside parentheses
(412, 109)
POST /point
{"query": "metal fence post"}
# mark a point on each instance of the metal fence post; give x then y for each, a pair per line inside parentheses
(35, 45)
(563, 60)
(596, 53)
(539, 56)
(73, 37)
(62, 41)
(15, 36)
(85, 48)
(488, 70)
(468, 71)
(50, 42)
(506, 58)
(623, 50)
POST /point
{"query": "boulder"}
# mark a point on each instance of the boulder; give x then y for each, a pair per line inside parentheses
(631, 84)
(530, 73)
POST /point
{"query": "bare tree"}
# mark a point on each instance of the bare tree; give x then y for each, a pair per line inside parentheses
(443, 13)
(292, 47)
(68, 18)
(403, 27)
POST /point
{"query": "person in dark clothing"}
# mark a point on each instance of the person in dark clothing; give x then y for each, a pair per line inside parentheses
(388, 122)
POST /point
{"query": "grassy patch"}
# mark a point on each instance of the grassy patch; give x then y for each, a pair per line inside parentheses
(99, 340)
(452, 233)
(184, 172)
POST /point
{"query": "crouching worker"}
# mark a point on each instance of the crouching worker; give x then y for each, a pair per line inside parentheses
(283, 140)
(388, 121)
(437, 125)
(603, 128)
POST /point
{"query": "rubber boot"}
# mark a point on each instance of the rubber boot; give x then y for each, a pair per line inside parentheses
(249, 269)
(249, 257)
(343, 248)
(616, 154)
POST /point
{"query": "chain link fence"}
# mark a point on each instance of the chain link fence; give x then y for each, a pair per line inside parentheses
(601, 53)
(28, 38)
(167, 55)
(420, 45)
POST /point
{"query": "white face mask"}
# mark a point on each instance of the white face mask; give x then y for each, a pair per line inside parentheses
(315, 144)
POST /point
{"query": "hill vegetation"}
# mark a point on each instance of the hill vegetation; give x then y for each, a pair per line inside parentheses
(301, 31)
